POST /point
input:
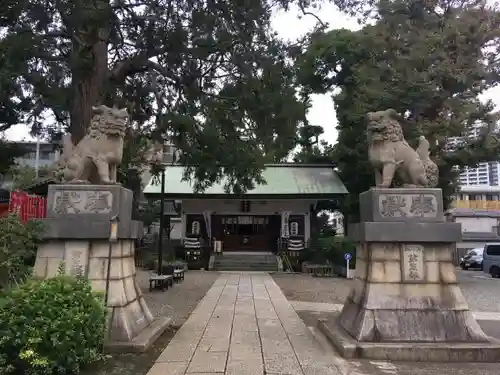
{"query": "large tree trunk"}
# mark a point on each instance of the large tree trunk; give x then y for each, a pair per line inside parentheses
(89, 80)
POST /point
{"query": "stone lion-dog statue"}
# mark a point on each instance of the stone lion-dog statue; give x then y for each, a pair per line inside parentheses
(96, 157)
(388, 153)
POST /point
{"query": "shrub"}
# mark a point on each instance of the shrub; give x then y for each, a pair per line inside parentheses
(332, 249)
(335, 249)
(52, 326)
(18, 243)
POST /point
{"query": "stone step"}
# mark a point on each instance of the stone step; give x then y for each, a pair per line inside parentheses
(235, 260)
(253, 266)
(254, 257)
(244, 261)
(246, 268)
(246, 264)
(238, 261)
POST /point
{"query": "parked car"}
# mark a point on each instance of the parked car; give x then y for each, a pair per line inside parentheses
(491, 261)
(472, 259)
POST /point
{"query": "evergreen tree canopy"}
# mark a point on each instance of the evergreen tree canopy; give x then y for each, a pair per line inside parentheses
(427, 60)
(211, 73)
(8, 153)
(25, 176)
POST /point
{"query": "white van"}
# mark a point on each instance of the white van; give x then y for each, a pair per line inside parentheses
(491, 259)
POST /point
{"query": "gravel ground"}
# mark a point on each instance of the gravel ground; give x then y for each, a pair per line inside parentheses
(177, 302)
(480, 290)
(301, 287)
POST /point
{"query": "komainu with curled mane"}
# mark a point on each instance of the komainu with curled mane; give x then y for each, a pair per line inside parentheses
(389, 153)
(96, 157)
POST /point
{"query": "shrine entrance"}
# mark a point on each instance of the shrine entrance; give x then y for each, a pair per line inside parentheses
(245, 232)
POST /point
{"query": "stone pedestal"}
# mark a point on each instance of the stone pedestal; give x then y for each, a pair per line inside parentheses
(77, 233)
(405, 303)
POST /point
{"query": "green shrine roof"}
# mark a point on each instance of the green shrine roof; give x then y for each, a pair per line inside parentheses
(286, 180)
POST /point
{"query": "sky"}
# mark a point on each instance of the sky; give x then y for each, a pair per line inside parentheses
(290, 27)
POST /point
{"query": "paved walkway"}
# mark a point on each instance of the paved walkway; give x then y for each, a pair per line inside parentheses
(243, 326)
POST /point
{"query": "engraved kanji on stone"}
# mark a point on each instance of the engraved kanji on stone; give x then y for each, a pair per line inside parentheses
(413, 270)
(392, 205)
(422, 204)
(67, 202)
(98, 202)
(76, 267)
(413, 263)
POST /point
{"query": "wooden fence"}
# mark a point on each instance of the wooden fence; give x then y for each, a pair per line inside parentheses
(27, 206)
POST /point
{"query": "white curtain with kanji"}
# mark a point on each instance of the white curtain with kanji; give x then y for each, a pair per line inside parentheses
(285, 228)
(207, 215)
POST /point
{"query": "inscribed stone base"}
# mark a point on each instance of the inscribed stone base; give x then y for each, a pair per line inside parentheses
(405, 292)
(128, 311)
(76, 239)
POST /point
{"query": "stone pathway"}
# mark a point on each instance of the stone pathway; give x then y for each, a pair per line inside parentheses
(244, 326)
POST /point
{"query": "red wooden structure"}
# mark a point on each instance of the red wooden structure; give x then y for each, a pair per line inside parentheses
(27, 206)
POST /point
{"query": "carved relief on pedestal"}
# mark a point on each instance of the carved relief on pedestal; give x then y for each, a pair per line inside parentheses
(408, 205)
(76, 264)
(75, 257)
(82, 202)
(413, 263)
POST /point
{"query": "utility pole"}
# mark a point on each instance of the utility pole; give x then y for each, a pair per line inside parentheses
(37, 156)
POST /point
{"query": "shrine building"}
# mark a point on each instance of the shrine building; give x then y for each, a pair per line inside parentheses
(261, 219)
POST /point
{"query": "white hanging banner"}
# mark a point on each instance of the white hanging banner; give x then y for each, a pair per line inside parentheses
(285, 229)
(207, 215)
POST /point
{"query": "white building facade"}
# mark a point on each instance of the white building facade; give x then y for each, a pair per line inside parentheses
(477, 209)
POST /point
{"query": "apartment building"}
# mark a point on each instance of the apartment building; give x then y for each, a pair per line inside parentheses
(41, 154)
(485, 174)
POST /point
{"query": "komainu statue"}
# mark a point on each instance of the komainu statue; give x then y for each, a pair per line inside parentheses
(96, 157)
(388, 153)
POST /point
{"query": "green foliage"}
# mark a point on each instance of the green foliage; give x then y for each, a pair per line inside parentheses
(321, 153)
(25, 176)
(18, 244)
(8, 151)
(332, 249)
(136, 152)
(150, 212)
(211, 76)
(326, 228)
(427, 60)
(49, 327)
(316, 152)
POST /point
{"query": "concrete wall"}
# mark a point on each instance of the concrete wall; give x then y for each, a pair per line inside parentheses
(466, 245)
(477, 224)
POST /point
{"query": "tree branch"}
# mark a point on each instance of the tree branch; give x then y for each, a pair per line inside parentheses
(307, 13)
(139, 64)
